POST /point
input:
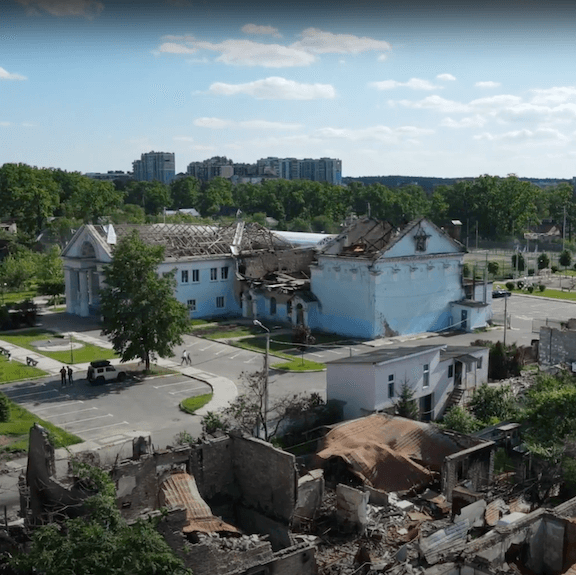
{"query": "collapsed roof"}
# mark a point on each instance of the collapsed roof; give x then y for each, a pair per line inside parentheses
(390, 453)
(192, 240)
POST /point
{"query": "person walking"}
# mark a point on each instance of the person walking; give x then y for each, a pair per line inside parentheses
(188, 359)
(63, 377)
(184, 357)
(70, 380)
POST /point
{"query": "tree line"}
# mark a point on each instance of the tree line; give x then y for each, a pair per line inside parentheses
(493, 207)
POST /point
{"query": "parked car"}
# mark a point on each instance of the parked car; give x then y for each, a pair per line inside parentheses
(102, 371)
(501, 293)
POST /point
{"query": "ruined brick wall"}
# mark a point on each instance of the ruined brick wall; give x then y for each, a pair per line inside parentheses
(287, 261)
(211, 466)
(556, 346)
(475, 464)
(290, 561)
(136, 486)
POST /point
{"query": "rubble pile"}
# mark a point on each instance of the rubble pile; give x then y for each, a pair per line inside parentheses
(242, 543)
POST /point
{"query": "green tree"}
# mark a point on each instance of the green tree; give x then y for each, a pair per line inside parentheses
(461, 420)
(18, 270)
(217, 194)
(185, 192)
(490, 403)
(493, 268)
(406, 405)
(99, 542)
(543, 261)
(50, 273)
(139, 310)
(518, 257)
(565, 259)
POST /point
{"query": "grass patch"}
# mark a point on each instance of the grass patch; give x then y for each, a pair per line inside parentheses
(197, 322)
(234, 331)
(191, 404)
(554, 293)
(14, 371)
(87, 353)
(17, 429)
(298, 364)
(17, 296)
(259, 345)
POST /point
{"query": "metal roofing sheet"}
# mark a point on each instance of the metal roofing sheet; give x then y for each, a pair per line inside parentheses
(180, 490)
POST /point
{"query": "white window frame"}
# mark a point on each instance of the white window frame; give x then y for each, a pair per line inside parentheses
(213, 274)
(426, 376)
(451, 369)
(191, 303)
(220, 299)
(196, 276)
(224, 272)
(391, 382)
(184, 276)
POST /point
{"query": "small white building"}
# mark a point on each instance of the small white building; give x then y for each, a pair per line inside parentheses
(437, 374)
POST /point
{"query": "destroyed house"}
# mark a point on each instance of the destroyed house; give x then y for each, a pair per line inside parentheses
(394, 454)
(370, 281)
(439, 377)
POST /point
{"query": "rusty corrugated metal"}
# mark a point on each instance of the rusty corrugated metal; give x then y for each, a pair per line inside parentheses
(391, 453)
(180, 490)
(494, 511)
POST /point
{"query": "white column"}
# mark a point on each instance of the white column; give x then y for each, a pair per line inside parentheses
(68, 290)
(84, 302)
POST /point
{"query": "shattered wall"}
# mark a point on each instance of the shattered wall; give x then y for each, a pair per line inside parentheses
(556, 346)
(285, 261)
(475, 464)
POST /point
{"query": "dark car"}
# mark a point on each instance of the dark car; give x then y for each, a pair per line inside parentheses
(501, 293)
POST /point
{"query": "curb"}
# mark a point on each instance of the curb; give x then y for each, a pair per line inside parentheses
(543, 297)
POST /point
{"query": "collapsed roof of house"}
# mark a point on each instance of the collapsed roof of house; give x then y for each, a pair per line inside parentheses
(390, 453)
(192, 240)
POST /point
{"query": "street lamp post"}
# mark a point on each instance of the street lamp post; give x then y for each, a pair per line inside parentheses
(71, 351)
(266, 373)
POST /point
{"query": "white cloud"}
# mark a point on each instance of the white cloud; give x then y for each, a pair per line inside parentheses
(379, 133)
(436, 103)
(263, 30)
(496, 102)
(214, 123)
(413, 83)
(5, 124)
(203, 148)
(525, 135)
(86, 8)
(275, 88)
(241, 52)
(556, 95)
(183, 139)
(446, 77)
(476, 121)
(487, 84)
(5, 75)
(173, 48)
(320, 42)
(382, 57)
(28, 125)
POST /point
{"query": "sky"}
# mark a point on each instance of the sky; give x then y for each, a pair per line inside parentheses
(442, 88)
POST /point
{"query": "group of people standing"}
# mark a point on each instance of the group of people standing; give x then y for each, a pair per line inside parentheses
(66, 375)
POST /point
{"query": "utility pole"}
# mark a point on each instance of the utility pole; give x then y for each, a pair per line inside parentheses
(476, 234)
(266, 376)
(564, 229)
(505, 318)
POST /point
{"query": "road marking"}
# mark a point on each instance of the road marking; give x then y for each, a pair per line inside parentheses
(316, 354)
(187, 390)
(169, 384)
(87, 419)
(193, 344)
(52, 406)
(71, 412)
(332, 351)
(237, 354)
(101, 427)
(250, 360)
(205, 348)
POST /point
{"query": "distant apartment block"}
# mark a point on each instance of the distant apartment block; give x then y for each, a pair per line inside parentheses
(318, 170)
(110, 176)
(159, 166)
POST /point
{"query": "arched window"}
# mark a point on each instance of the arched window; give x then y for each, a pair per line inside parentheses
(289, 308)
(272, 306)
(88, 250)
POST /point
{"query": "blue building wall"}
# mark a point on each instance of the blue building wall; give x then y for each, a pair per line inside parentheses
(206, 291)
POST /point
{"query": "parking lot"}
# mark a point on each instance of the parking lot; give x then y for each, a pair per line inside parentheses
(109, 410)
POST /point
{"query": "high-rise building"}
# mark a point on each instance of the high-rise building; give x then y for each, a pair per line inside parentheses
(159, 166)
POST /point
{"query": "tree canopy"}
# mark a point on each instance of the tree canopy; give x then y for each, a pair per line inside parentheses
(139, 310)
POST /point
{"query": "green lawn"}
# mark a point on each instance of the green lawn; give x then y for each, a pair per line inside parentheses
(259, 344)
(554, 293)
(191, 404)
(85, 354)
(298, 364)
(17, 296)
(234, 331)
(14, 371)
(18, 427)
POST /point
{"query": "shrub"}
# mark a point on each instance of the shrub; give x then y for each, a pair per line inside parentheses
(554, 269)
(510, 286)
(461, 420)
(519, 284)
(521, 262)
(4, 408)
(530, 289)
(541, 287)
(466, 270)
(565, 258)
(493, 268)
(530, 271)
(543, 261)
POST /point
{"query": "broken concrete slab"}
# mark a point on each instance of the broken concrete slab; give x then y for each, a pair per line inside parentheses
(310, 494)
(351, 508)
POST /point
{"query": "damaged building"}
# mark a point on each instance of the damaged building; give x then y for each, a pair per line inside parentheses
(370, 281)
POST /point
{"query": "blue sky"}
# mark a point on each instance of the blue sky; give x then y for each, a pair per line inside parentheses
(441, 88)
